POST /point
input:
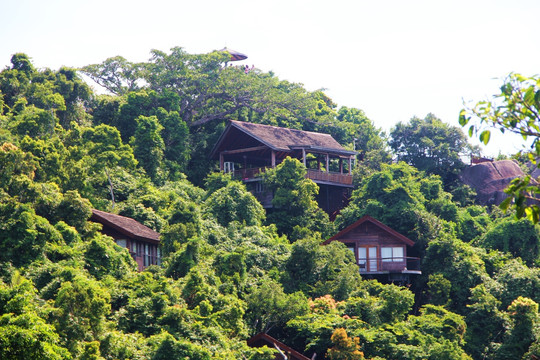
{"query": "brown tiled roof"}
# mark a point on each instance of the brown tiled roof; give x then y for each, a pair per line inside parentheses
(125, 225)
(284, 139)
(375, 222)
(280, 138)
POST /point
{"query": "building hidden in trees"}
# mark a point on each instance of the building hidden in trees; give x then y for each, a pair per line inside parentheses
(283, 351)
(380, 251)
(245, 150)
(141, 241)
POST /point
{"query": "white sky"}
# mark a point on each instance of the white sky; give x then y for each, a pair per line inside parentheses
(394, 59)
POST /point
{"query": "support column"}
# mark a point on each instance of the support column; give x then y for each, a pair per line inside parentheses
(221, 161)
(327, 163)
(350, 166)
(273, 159)
(341, 165)
(304, 156)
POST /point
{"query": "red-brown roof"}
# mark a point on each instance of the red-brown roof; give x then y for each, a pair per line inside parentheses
(264, 339)
(375, 222)
(284, 139)
(125, 225)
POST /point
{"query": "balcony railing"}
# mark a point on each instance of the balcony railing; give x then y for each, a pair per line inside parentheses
(333, 177)
(389, 265)
(315, 175)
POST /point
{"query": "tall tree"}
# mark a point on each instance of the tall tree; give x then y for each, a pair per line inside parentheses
(431, 146)
(294, 204)
(148, 144)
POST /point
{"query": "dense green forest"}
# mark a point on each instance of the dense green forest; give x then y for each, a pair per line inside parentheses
(230, 269)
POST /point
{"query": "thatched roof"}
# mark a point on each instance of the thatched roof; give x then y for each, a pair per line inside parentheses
(489, 179)
(126, 226)
(281, 139)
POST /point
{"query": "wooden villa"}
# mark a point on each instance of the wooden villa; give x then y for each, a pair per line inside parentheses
(245, 150)
(380, 251)
(283, 351)
(141, 241)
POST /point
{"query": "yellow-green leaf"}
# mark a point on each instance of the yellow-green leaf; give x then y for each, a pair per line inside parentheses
(485, 136)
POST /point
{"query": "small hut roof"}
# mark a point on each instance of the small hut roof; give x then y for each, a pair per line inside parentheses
(375, 222)
(285, 139)
(262, 338)
(127, 226)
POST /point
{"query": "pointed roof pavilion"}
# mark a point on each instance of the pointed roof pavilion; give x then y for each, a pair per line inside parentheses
(366, 218)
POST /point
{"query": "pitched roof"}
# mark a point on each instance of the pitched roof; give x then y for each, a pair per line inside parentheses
(284, 139)
(375, 222)
(127, 226)
(262, 338)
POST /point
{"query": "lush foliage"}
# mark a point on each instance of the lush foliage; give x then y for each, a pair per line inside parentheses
(516, 109)
(231, 269)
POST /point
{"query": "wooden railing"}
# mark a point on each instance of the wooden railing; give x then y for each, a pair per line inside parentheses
(389, 264)
(315, 175)
(250, 173)
(339, 178)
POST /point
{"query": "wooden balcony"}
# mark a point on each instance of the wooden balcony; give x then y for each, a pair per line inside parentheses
(331, 178)
(409, 265)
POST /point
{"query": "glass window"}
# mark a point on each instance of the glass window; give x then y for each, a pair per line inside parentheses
(146, 256)
(392, 253)
(397, 253)
(121, 243)
(386, 254)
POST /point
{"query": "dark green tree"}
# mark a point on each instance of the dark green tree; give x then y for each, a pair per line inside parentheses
(234, 203)
(517, 237)
(432, 146)
(148, 145)
(24, 332)
(294, 203)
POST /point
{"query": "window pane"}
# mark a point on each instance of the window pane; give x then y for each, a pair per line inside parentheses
(121, 243)
(398, 254)
(362, 255)
(386, 253)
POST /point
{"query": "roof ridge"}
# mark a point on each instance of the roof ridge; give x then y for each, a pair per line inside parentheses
(281, 127)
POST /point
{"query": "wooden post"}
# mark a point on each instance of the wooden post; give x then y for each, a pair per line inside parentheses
(273, 159)
(350, 165)
(327, 163)
(341, 165)
(221, 161)
(304, 156)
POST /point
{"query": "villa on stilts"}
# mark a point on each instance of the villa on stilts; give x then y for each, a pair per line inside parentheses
(245, 150)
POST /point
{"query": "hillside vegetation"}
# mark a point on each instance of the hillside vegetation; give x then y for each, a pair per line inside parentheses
(232, 270)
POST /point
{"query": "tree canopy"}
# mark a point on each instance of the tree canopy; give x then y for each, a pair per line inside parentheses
(230, 268)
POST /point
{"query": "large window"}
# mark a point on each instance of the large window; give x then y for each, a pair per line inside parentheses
(394, 253)
(122, 243)
(152, 255)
